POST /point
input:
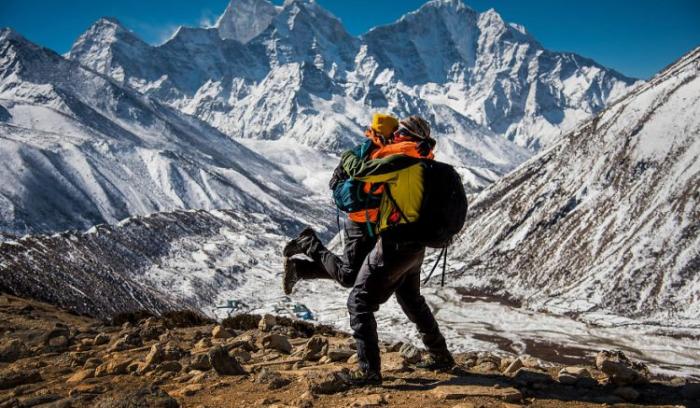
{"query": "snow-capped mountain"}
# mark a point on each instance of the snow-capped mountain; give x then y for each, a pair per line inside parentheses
(605, 221)
(292, 71)
(78, 149)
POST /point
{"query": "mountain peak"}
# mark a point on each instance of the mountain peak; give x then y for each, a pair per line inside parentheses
(244, 20)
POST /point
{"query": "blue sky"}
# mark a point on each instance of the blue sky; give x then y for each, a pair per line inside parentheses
(635, 37)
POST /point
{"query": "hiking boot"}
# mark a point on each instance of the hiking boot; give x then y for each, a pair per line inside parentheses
(361, 378)
(301, 244)
(437, 362)
(290, 277)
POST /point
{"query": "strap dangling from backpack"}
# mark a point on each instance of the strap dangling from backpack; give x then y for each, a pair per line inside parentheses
(442, 255)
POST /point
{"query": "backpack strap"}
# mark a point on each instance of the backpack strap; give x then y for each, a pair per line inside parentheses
(388, 194)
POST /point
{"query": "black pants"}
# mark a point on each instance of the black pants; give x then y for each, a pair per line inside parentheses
(327, 265)
(390, 268)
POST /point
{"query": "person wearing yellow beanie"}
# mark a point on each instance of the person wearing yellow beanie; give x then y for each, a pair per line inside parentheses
(358, 231)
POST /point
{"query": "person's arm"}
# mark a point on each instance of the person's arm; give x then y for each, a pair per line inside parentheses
(375, 171)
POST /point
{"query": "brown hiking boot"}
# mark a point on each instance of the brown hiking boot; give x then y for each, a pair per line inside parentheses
(437, 362)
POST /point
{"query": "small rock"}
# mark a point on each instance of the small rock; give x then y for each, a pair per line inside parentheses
(113, 367)
(11, 379)
(224, 364)
(59, 343)
(241, 355)
(169, 367)
(154, 357)
(315, 348)
(573, 375)
(329, 383)
(531, 376)
(203, 344)
(514, 366)
(449, 392)
(369, 401)
(394, 363)
(188, 390)
(273, 379)
(627, 393)
(410, 353)
(219, 332)
(84, 389)
(619, 369)
(147, 397)
(339, 354)
(200, 362)
(267, 322)
(92, 362)
(277, 342)
(13, 351)
(81, 376)
(101, 339)
(353, 359)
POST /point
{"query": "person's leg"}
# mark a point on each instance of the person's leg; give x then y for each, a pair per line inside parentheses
(342, 270)
(380, 274)
(417, 310)
(358, 243)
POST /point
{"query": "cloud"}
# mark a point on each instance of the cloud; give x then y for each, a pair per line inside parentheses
(207, 18)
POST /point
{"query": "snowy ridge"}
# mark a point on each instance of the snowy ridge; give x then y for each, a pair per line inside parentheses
(269, 72)
(184, 259)
(606, 221)
(78, 149)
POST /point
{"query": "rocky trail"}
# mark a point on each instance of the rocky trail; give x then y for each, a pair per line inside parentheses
(52, 358)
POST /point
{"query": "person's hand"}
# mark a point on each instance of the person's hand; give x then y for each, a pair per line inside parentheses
(339, 175)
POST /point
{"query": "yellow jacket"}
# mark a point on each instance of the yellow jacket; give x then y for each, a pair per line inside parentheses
(403, 178)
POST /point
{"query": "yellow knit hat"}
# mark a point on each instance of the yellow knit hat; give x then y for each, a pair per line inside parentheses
(384, 124)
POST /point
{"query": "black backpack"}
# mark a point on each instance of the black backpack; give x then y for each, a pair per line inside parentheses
(443, 210)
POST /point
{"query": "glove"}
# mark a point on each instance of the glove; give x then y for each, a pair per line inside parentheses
(339, 175)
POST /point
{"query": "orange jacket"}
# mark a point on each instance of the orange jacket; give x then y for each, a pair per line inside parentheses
(406, 148)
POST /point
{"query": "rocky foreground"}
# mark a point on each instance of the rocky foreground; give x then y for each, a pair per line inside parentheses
(51, 358)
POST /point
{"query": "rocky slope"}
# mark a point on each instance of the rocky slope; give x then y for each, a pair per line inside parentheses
(51, 357)
(78, 149)
(606, 221)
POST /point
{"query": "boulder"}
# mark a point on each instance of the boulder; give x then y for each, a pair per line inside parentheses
(219, 332)
(277, 342)
(620, 369)
(224, 364)
(267, 322)
(315, 348)
(410, 353)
